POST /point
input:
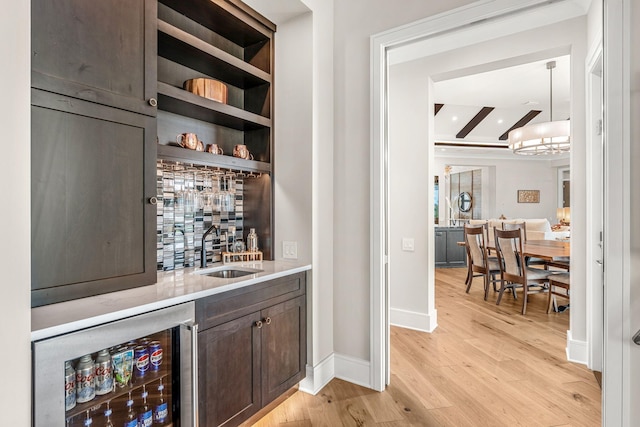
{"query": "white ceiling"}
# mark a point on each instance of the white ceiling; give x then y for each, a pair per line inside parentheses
(278, 11)
(513, 91)
(508, 88)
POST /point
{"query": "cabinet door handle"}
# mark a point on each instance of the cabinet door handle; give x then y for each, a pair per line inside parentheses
(153, 200)
(259, 324)
(267, 320)
(153, 102)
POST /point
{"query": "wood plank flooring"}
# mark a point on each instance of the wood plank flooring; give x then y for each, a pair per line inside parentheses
(485, 365)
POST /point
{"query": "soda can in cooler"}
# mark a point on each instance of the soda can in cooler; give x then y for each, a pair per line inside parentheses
(155, 355)
(140, 361)
(104, 373)
(85, 380)
(69, 386)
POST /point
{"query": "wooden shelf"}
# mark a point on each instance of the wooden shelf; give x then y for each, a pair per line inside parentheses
(149, 378)
(179, 154)
(226, 19)
(179, 101)
(186, 49)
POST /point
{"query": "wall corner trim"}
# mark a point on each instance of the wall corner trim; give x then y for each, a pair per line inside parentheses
(424, 322)
(318, 376)
(577, 351)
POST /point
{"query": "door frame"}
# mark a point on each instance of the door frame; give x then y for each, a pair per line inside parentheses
(381, 44)
(595, 211)
(617, 231)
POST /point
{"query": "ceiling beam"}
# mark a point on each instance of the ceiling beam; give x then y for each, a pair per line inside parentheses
(468, 144)
(484, 112)
(438, 107)
(523, 121)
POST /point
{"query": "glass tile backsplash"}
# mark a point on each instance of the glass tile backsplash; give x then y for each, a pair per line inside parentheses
(190, 200)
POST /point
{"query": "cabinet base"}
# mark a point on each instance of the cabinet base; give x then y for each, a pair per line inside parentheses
(270, 407)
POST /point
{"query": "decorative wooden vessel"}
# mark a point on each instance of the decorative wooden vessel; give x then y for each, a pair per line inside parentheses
(207, 88)
(231, 257)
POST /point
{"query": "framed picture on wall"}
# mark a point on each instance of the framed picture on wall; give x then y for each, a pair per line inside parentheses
(528, 196)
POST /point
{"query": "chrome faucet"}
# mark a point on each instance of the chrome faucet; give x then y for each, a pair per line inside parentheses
(203, 250)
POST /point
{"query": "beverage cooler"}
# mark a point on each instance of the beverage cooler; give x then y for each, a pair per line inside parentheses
(136, 372)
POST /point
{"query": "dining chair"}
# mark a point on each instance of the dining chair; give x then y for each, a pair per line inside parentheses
(514, 272)
(479, 260)
(560, 280)
(523, 226)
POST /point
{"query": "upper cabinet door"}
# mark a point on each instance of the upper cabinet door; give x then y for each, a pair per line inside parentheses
(98, 51)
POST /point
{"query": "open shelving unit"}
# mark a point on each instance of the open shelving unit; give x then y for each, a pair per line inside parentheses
(227, 41)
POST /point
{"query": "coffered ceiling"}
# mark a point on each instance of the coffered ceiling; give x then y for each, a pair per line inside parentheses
(476, 111)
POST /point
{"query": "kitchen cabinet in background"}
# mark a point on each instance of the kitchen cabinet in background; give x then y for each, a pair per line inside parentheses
(447, 251)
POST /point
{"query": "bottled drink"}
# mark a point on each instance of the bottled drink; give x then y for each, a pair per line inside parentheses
(88, 420)
(252, 240)
(85, 381)
(145, 416)
(161, 410)
(107, 417)
(131, 419)
(104, 373)
(69, 386)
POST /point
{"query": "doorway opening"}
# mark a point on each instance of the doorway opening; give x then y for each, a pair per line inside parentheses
(438, 36)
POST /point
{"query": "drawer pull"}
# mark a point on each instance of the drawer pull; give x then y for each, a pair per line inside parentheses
(153, 102)
(259, 324)
(267, 320)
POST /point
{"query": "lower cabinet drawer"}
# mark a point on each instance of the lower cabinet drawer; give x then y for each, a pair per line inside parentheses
(220, 308)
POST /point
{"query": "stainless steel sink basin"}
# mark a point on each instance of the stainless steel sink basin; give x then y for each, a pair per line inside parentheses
(229, 272)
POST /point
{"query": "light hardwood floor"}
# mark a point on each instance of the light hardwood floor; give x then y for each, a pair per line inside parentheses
(485, 365)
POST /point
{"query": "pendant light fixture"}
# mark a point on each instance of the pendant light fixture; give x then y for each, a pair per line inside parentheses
(543, 138)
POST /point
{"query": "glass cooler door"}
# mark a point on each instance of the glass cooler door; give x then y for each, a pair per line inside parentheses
(135, 372)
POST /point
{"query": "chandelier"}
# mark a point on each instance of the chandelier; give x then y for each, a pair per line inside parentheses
(543, 138)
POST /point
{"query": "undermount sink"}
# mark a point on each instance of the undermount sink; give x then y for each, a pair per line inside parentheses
(229, 272)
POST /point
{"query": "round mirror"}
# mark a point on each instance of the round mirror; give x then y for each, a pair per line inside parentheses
(464, 202)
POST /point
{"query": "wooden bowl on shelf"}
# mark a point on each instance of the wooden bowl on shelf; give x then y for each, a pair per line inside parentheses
(207, 88)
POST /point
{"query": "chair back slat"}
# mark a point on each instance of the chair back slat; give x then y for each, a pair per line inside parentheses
(509, 249)
(475, 245)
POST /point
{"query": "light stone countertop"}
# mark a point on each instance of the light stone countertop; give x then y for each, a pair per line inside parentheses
(172, 287)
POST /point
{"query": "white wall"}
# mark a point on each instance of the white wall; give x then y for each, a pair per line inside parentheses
(293, 135)
(15, 358)
(509, 177)
(410, 190)
(355, 22)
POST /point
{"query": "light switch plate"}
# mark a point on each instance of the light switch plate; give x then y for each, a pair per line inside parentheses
(408, 244)
(289, 250)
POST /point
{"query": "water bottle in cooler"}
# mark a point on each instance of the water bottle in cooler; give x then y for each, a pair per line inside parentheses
(146, 413)
(107, 416)
(161, 410)
(131, 419)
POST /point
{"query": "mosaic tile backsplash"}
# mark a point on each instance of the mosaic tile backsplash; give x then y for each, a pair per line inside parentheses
(180, 229)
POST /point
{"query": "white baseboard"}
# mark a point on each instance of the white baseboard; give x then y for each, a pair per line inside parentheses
(425, 322)
(356, 371)
(318, 376)
(577, 351)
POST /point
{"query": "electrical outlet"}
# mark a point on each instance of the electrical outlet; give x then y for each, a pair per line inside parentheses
(289, 250)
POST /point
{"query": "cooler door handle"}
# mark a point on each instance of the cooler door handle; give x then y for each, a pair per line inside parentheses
(193, 328)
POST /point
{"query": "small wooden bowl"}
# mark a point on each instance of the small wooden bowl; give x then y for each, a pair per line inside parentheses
(207, 88)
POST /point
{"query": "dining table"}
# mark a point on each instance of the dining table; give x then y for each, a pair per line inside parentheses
(548, 250)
